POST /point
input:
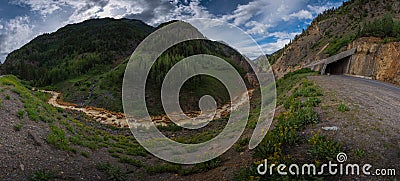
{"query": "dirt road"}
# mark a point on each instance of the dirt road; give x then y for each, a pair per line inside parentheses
(370, 129)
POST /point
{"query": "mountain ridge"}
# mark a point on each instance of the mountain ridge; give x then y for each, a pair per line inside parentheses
(86, 62)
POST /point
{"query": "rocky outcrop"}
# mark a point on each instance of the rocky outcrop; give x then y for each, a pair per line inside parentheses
(376, 59)
(320, 40)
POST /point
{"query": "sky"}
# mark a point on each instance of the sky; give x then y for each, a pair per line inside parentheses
(272, 23)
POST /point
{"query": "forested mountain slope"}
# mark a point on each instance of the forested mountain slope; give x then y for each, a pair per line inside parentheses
(87, 61)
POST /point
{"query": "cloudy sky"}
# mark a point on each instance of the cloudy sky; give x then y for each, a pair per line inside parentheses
(272, 23)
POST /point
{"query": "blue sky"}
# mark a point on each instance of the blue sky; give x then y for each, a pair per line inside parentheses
(272, 23)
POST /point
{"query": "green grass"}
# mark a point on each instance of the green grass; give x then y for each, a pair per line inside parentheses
(162, 168)
(343, 107)
(18, 127)
(113, 172)
(57, 138)
(239, 146)
(85, 154)
(21, 114)
(359, 153)
(293, 120)
(338, 43)
(323, 148)
(298, 113)
(287, 82)
(41, 175)
(131, 161)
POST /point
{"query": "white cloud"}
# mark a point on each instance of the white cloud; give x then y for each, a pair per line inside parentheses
(302, 14)
(257, 17)
(15, 33)
(283, 35)
(317, 9)
(274, 46)
(152, 12)
(244, 13)
(256, 28)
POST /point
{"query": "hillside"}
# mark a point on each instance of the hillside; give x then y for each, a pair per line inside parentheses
(42, 142)
(86, 62)
(370, 26)
(90, 47)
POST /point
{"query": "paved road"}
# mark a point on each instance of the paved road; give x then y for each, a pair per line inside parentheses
(373, 122)
(378, 97)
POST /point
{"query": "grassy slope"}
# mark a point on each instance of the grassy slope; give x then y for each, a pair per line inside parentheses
(284, 142)
(78, 135)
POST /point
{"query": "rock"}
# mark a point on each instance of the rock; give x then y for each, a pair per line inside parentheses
(332, 128)
(22, 167)
(35, 138)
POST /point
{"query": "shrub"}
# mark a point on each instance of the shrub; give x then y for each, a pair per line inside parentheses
(18, 127)
(343, 108)
(323, 148)
(113, 172)
(57, 138)
(173, 168)
(41, 175)
(85, 154)
(131, 161)
(336, 44)
(21, 114)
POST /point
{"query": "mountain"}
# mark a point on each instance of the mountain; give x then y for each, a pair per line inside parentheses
(87, 61)
(89, 47)
(372, 27)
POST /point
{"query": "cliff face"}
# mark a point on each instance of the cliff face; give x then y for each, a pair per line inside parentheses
(338, 30)
(375, 59)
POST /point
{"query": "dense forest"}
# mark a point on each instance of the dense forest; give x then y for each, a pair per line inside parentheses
(87, 61)
(89, 47)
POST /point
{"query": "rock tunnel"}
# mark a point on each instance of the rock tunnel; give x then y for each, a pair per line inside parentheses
(337, 64)
(338, 67)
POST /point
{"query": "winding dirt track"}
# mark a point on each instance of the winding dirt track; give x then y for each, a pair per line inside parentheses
(118, 119)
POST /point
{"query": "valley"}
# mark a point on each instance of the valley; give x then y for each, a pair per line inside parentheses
(62, 112)
(118, 119)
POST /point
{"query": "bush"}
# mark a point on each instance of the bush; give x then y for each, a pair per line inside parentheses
(383, 27)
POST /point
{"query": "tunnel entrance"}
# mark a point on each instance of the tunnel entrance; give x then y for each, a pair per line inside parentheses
(338, 67)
